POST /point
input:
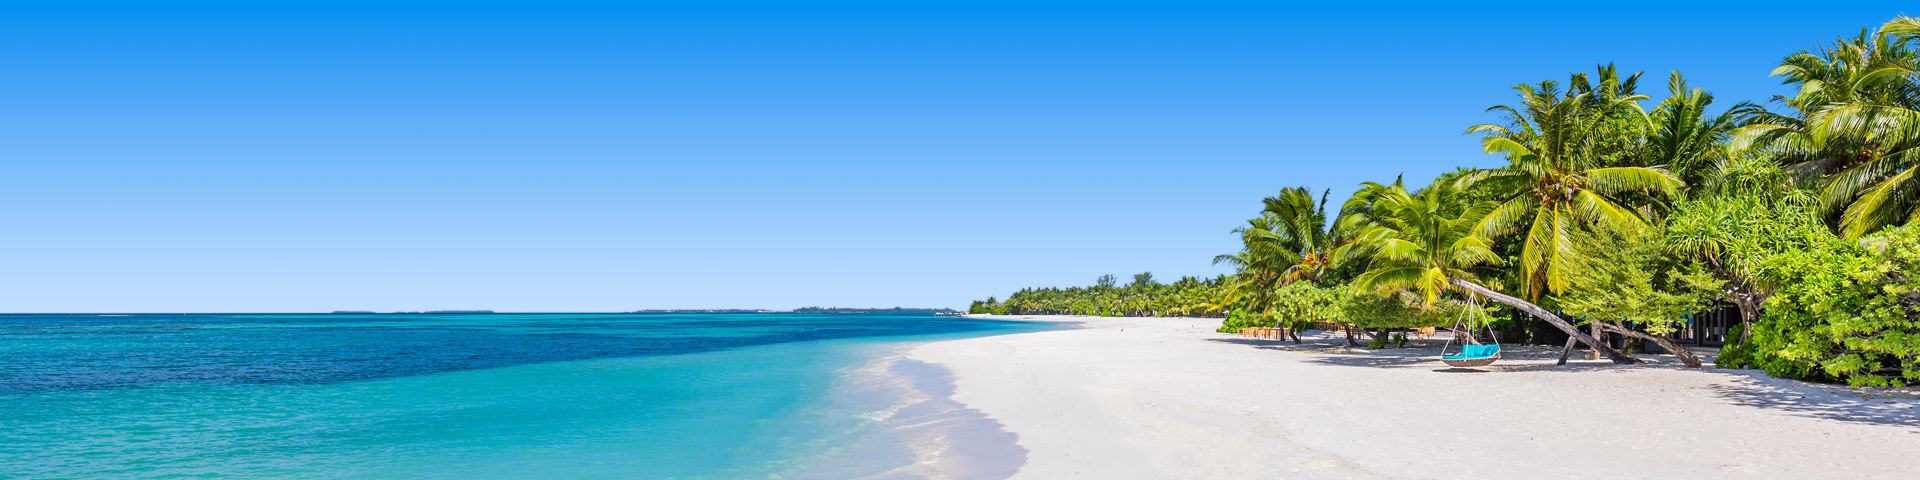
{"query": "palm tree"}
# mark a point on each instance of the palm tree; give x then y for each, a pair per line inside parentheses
(1288, 242)
(1687, 139)
(1559, 145)
(1424, 243)
(1302, 230)
(1259, 265)
(1856, 116)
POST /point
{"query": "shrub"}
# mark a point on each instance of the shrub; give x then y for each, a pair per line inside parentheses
(1237, 320)
(1844, 311)
(1732, 355)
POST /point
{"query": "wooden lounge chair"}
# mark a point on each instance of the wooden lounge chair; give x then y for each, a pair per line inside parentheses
(1269, 333)
(1277, 333)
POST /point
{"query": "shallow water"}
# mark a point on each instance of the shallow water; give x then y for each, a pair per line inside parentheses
(486, 396)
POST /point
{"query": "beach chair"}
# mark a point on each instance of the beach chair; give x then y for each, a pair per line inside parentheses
(1472, 353)
(1278, 333)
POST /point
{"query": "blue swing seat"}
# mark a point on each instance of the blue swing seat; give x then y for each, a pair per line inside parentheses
(1470, 352)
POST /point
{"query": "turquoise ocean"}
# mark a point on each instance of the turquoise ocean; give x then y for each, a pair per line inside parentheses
(651, 396)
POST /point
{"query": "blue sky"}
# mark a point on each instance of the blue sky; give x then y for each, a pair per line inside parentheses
(599, 156)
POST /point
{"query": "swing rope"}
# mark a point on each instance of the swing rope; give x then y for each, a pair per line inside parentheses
(1469, 356)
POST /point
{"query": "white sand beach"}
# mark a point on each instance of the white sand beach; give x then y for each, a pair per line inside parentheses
(1123, 398)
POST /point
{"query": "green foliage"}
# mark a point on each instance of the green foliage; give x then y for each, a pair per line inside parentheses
(1186, 297)
(1687, 138)
(1735, 354)
(1845, 311)
(1304, 302)
(1368, 310)
(983, 306)
(1242, 319)
(1572, 162)
(1307, 301)
(1609, 211)
(1732, 234)
(1290, 241)
(1855, 118)
(1417, 241)
(1748, 175)
(1239, 319)
(1623, 277)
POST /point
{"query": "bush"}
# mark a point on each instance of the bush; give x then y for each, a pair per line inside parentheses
(1735, 356)
(1844, 311)
(1300, 304)
(1237, 320)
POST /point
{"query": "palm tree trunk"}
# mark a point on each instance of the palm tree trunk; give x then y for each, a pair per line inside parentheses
(1677, 350)
(1555, 320)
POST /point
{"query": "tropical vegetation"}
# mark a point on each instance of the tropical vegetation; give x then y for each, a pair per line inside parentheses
(1615, 214)
(1188, 296)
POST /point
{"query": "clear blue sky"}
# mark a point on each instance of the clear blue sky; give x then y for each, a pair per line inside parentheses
(587, 156)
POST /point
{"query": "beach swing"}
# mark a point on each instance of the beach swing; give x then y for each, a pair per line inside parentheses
(1472, 353)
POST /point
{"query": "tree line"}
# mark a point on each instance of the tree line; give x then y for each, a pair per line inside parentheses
(1618, 214)
(1188, 296)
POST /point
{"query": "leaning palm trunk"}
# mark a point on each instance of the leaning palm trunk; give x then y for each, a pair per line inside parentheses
(1515, 302)
(1664, 342)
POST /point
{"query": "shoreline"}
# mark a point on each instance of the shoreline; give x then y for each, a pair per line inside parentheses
(1134, 397)
(913, 429)
(945, 438)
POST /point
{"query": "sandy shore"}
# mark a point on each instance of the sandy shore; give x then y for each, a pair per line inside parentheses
(1169, 398)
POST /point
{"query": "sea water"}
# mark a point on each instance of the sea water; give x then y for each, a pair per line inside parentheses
(487, 396)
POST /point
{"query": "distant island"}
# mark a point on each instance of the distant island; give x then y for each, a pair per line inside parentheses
(872, 310)
(706, 310)
(695, 310)
(437, 312)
